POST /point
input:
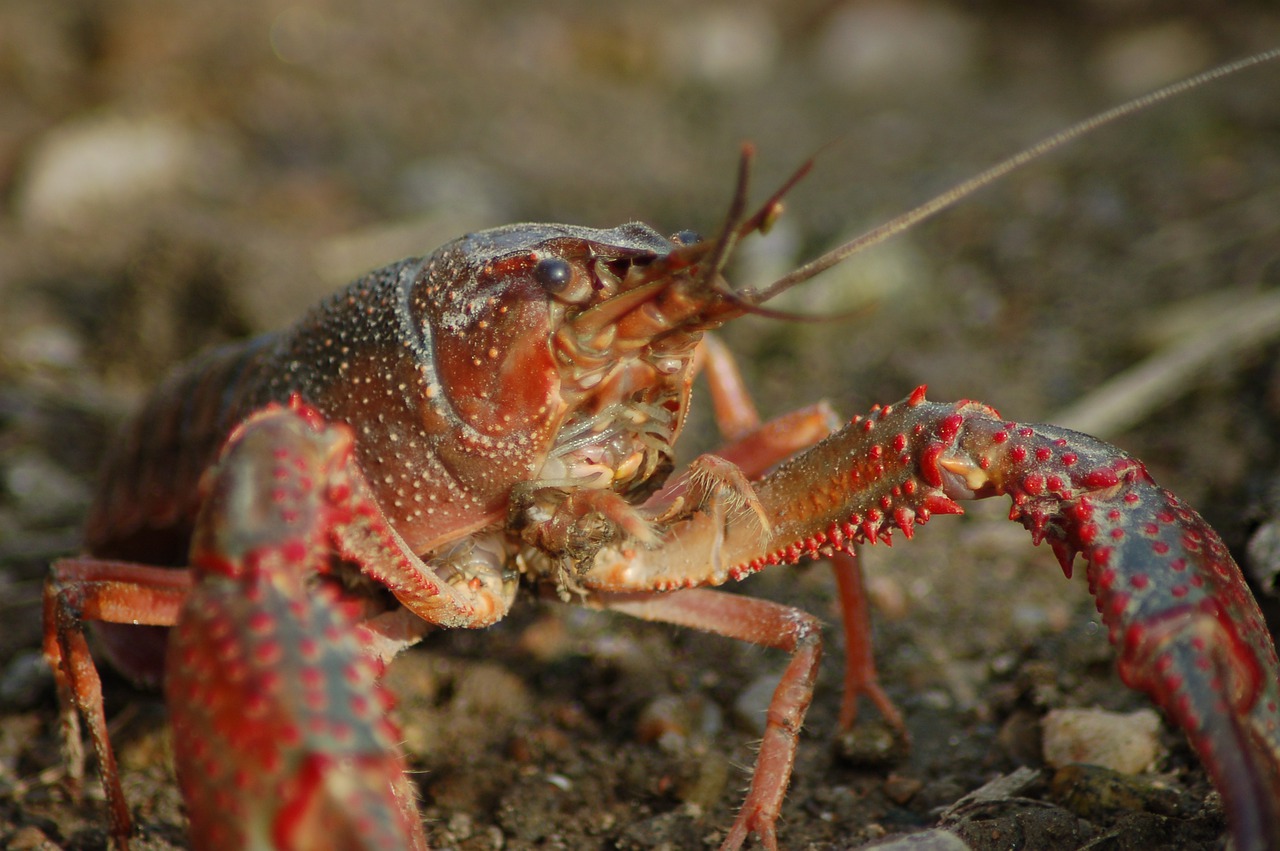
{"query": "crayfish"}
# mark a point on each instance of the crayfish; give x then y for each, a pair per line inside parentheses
(502, 414)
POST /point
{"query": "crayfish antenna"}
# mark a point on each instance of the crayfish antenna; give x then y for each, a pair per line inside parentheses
(961, 190)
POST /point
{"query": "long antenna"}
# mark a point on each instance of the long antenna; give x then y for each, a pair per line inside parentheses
(900, 223)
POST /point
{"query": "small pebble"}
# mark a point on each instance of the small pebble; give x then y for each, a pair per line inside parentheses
(929, 840)
(30, 839)
(729, 46)
(902, 789)
(25, 679)
(91, 166)
(752, 703)
(881, 46)
(1127, 743)
(872, 744)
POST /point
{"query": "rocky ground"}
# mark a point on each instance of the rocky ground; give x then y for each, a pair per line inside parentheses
(177, 175)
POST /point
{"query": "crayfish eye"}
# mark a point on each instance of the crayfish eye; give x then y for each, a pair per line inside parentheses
(553, 273)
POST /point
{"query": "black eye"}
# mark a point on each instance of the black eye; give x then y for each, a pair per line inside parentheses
(553, 273)
(687, 237)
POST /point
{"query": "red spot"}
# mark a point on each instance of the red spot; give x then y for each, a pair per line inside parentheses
(1130, 498)
(940, 504)
(1000, 437)
(1178, 591)
(317, 700)
(1033, 483)
(1018, 454)
(1069, 458)
(1117, 534)
(876, 451)
(294, 551)
(270, 681)
(1159, 547)
(1106, 579)
(261, 622)
(950, 427)
(1178, 564)
(1140, 582)
(1043, 454)
(917, 397)
(268, 653)
(1027, 432)
(899, 442)
(905, 520)
(256, 705)
(1103, 477)
(1054, 484)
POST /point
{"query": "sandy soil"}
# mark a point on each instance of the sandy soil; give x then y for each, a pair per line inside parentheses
(178, 175)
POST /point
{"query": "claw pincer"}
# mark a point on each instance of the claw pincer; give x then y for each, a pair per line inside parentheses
(1189, 633)
(1176, 605)
(279, 737)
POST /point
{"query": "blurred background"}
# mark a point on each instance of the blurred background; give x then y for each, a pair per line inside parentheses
(175, 175)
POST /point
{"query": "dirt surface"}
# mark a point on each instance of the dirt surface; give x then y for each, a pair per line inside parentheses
(176, 175)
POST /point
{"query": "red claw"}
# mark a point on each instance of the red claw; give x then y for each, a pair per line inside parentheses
(273, 726)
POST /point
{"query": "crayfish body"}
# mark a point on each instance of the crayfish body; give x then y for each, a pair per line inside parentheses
(301, 507)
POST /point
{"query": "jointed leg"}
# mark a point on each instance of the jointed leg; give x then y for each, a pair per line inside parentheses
(113, 592)
(766, 624)
(755, 447)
